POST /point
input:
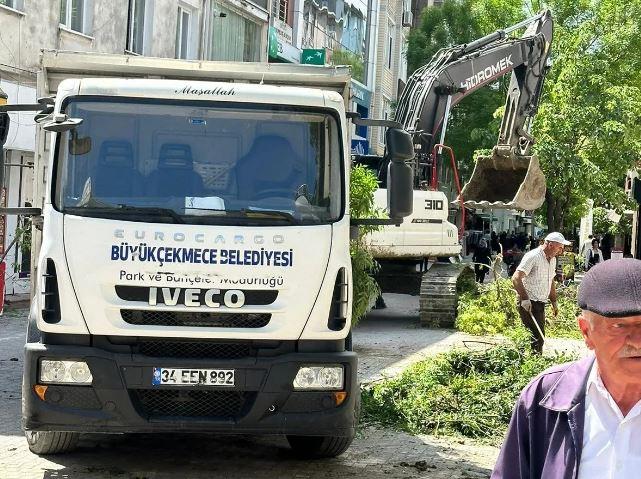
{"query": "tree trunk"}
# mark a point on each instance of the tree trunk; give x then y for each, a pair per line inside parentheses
(551, 204)
(556, 208)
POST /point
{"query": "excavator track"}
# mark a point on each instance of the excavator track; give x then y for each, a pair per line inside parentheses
(438, 299)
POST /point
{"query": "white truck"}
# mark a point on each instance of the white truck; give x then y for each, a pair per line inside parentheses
(193, 268)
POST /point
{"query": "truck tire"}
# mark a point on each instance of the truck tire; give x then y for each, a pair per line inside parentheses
(51, 442)
(315, 447)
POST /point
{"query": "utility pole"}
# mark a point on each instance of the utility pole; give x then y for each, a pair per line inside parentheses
(4, 131)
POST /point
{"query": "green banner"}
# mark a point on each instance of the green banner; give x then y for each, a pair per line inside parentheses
(273, 43)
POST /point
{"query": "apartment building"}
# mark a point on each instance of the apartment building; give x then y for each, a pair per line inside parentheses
(369, 35)
(231, 30)
(394, 20)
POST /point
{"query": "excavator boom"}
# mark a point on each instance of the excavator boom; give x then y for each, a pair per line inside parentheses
(510, 177)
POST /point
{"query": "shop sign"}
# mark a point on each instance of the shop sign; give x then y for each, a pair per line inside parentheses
(279, 48)
(313, 56)
(361, 95)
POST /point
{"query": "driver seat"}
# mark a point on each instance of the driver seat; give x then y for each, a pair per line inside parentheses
(270, 164)
(175, 175)
(115, 174)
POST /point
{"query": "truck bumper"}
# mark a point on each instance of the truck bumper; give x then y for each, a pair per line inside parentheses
(122, 399)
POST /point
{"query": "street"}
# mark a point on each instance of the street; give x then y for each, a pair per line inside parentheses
(387, 340)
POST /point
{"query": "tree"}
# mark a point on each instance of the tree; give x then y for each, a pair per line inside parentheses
(587, 128)
(472, 124)
(346, 57)
(362, 185)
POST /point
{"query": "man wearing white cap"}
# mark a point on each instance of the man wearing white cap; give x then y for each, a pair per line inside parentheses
(534, 284)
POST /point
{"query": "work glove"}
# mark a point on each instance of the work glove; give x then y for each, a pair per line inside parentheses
(526, 304)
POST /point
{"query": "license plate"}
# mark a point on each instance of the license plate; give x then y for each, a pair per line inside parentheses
(193, 377)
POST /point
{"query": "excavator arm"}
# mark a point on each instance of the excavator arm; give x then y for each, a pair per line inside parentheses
(510, 177)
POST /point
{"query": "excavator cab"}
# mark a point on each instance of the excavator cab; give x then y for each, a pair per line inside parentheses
(505, 182)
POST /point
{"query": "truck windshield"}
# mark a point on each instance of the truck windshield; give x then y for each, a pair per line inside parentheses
(161, 161)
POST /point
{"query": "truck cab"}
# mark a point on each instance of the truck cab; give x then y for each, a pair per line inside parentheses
(193, 269)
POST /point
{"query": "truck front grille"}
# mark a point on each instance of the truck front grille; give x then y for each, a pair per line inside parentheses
(168, 403)
(195, 349)
(199, 319)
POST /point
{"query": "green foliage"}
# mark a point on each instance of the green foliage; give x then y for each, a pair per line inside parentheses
(490, 311)
(449, 24)
(23, 232)
(564, 325)
(588, 124)
(493, 310)
(346, 57)
(362, 185)
(462, 392)
(602, 224)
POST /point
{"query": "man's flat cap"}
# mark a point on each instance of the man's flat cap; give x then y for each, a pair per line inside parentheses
(612, 288)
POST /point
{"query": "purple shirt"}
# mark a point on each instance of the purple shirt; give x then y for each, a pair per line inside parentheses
(545, 435)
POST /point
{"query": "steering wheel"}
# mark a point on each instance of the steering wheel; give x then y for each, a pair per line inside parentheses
(274, 193)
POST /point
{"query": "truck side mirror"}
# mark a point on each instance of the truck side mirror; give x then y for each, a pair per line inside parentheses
(61, 123)
(400, 177)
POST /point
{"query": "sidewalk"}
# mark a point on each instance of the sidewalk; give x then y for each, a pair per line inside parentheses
(13, 301)
(391, 339)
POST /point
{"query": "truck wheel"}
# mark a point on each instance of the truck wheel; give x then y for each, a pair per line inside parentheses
(51, 442)
(319, 446)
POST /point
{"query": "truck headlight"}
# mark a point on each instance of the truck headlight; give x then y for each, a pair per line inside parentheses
(64, 372)
(319, 377)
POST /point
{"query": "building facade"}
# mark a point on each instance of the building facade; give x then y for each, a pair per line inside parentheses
(368, 35)
(230, 30)
(390, 65)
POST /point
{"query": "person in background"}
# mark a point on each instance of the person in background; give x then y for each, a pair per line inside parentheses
(581, 420)
(494, 243)
(593, 255)
(482, 260)
(534, 285)
(586, 245)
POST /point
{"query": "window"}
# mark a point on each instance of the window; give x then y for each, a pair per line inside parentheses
(233, 37)
(279, 9)
(183, 33)
(136, 26)
(390, 44)
(402, 74)
(15, 4)
(72, 13)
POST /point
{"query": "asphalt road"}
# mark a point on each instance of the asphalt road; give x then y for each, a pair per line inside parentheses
(386, 341)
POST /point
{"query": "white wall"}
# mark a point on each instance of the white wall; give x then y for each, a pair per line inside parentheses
(22, 130)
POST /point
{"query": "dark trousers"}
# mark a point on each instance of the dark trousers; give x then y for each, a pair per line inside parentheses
(538, 311)
(480, 271)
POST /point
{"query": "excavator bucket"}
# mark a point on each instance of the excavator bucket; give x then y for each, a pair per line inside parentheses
(505, 182)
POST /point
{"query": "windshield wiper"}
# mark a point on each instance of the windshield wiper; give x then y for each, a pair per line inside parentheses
(263, 215)
(138, 210)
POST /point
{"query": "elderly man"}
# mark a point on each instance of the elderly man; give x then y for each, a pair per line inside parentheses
(533, 281)
(582, 420)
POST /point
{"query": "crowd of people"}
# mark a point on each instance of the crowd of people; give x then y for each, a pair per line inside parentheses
(514, 245)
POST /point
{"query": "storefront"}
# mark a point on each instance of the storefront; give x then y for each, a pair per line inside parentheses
(360, 102)
(16, 191)
(281, 43)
